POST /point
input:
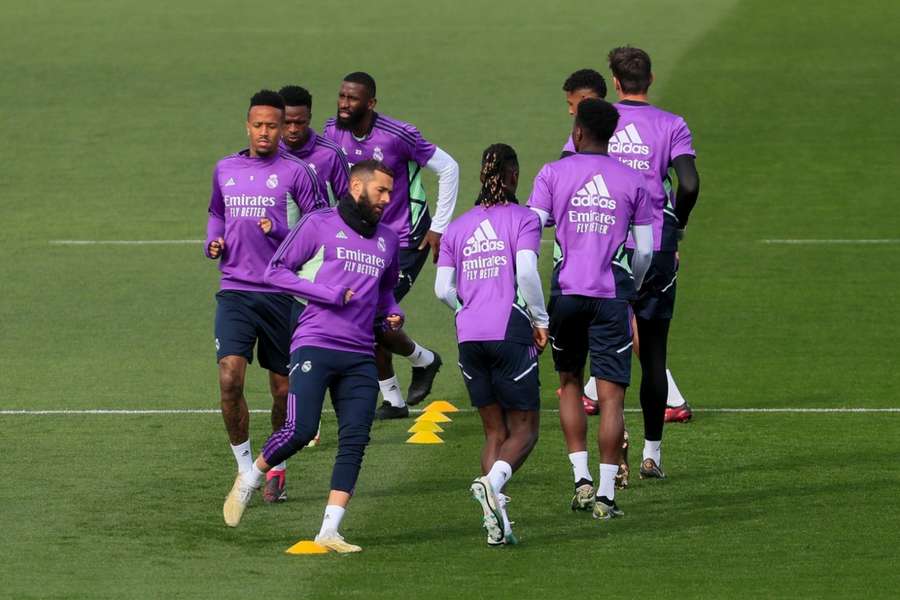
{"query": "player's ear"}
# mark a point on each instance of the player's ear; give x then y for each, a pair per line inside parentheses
(372, 103)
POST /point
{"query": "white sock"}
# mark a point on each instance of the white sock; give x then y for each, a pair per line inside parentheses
(243, 455)
(580, 469)
(332, 520)
(651, 450)
(253, 476)
(590, 389)
(499, 474)
(607, 485)
(279, 467)
(421, 357)
(390, 389)
(507, 525)
(674, 399)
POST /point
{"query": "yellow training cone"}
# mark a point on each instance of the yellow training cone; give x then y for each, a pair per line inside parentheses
(426, 427)
(307, 547)
(424, 437)
(434, 416)
(441, 406)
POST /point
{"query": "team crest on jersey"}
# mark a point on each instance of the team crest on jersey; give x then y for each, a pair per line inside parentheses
(306, 367)
(381, 245)
(377, 154)
(272, 181)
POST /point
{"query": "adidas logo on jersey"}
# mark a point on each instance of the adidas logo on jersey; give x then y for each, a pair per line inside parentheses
(483, 240)
(230, 182)
(594, 193)
(341, 235)
(628, 141)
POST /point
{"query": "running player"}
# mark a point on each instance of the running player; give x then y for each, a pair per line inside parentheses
(345, 264)
(593, 199)
(654, 142)
(488, 263)
(301, 140)
(257, 196)
(365, 134)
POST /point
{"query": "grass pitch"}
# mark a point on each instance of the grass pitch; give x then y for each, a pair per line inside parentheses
(115, 115)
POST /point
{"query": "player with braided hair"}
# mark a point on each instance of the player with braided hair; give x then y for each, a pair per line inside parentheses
(487, 272)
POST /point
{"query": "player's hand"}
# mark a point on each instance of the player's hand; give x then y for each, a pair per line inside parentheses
(541, 337)
(265, 224)
(433, 239)
(347, 295)
(216, 247)
(394, 321)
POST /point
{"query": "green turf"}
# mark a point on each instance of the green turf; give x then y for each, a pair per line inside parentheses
(114, 114)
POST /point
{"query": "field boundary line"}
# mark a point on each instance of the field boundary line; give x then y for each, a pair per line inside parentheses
(831, 242)
(121, 242)
(216, 411)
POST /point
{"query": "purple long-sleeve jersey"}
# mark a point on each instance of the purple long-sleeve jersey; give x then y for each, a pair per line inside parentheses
(318, 262)
(246, 189)
(481, 244)
(401, 147)
(328, 162)
(593, 199)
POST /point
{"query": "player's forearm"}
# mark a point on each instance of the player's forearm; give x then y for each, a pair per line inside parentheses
(448, 187)
(278, 274)
(643, 253)
(445, 286)
(529, 282)
(215, 229)
(688, 188)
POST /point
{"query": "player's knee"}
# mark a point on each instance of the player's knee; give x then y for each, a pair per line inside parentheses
(231, 383)
(279, 388)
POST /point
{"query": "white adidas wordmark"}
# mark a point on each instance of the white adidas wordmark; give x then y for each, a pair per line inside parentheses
(594, 193)
(484, 239)
(628, 141)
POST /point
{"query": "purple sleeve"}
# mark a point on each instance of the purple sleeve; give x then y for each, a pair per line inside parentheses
(215, 224)
(643, 208)
(307, 193)
(387, 302)
(298, 248)
(542, 191)
(340, 175)
(682, 142)
(420, 149)
(446, 257)
(529, 233)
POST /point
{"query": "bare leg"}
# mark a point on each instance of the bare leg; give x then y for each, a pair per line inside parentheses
(571, 412)
(495, 434)
(234, 407)
(612, 423)
(278, 385)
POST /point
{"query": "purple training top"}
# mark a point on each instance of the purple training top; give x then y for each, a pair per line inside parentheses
(401, 147)
(481, 244)
(593, 199)
(329, 163)
(648, 139)
(244, 190)
(322, 258)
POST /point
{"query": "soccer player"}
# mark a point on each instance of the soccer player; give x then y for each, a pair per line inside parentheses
(302, 141)
(257, 196)
(593, 199)
(654, 142)
(488, 263)
(365, 134)
(345, 264)
(583, 83)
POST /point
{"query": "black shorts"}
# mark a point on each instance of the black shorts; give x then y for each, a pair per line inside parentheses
(656, 298)
(247, 318)
(411, 262)
(504, 372)
(579, 325)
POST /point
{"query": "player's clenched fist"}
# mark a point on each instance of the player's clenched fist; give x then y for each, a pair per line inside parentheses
(541, 336)
(265, 224)
(394, 321)
(216, 247)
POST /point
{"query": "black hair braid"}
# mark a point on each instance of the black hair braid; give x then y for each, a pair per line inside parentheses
(494, 162)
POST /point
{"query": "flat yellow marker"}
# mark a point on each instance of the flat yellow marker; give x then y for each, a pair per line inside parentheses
(424, 437)
(441, 406)
(425, 426)
(306, 547)
(434, 417)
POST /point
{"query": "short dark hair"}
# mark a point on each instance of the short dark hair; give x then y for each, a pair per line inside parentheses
(368, 167)
(294, 95)
(598, 118)
(631, 66)
(363, 79)
(496, 161)
(586, 79)
(267, 98)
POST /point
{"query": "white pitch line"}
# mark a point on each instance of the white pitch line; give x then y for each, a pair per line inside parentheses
(121, 242)
(831, 242)
(215, 411)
